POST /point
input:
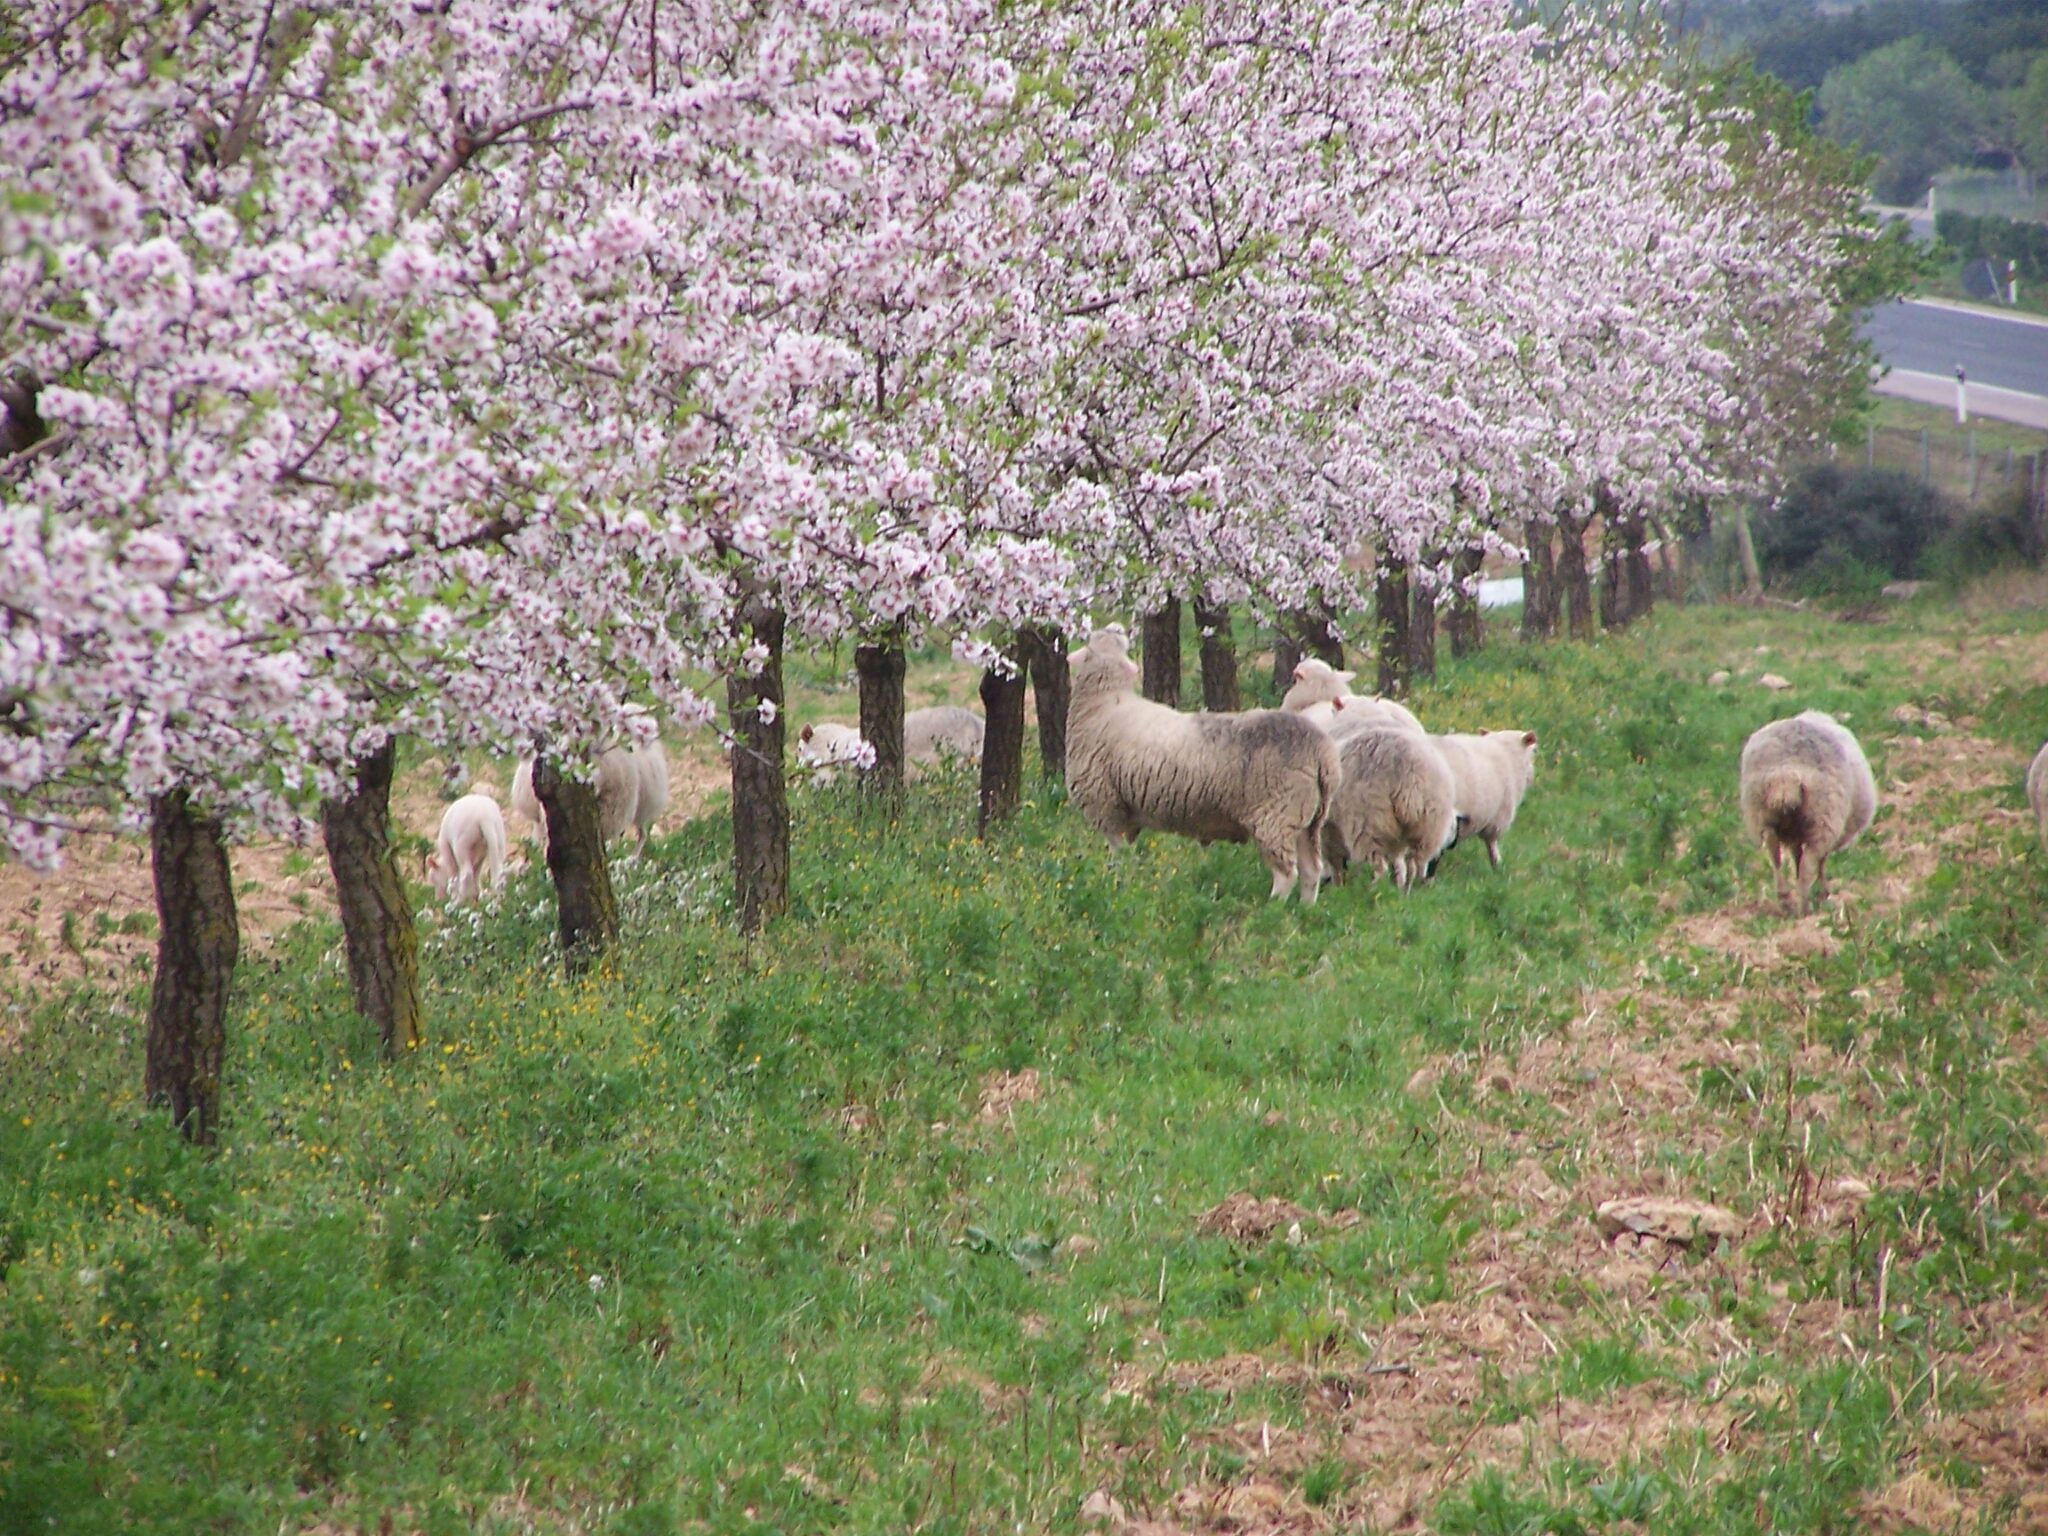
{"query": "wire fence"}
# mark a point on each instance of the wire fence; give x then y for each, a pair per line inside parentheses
(1958, 463)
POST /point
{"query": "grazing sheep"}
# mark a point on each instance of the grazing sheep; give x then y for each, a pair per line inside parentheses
(632, 791)
(2037, 792)
(1264, 775)
(1322, 696)
(1396, 805)
(1492, 771)
(939, 734)
(826, 747)
(470, 851)
(1806, 787)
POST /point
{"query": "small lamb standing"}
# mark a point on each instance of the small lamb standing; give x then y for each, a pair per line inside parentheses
(1265, 775)
(1396, 805)
(1806, 787)
(2037, 792)
(470, 852)
(632, 791)
(1492, 771)
(1322, 696)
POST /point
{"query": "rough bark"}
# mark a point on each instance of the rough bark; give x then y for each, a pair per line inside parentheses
(1159, 637)
(198, 940)
(1044, 652)
(1287, 655)
(382, 944)
(1219, 657)
(1466, 624)
(1422, 630)
(1320, 639)
(21, 422)
(1745, 549)
(880, 668)
(1390, 603)
(586, 910)
(1574, 578)
(1539, 582)
(1639, 576)
(1002, 745)
(760, 803)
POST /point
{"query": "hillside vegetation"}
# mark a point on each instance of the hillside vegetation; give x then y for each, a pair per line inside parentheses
(1019, 1184)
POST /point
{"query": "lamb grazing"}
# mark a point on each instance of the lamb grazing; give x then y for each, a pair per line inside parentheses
(1806, 787)
(2037, 792)
(940, 734)
(1322, 696)
(470, 852)
(632, 791)
(1266, 776)
(1396, 805)
(1492, 771)
(826, 747)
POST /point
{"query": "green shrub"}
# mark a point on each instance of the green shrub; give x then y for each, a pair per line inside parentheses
(1848, 531)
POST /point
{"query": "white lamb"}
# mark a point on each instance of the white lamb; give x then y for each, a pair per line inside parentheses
(1492, 771)
(1265, 775)
(632, 791)
(1806, 787)
(826, 747)
(2037, 792)
(470, 852)
(1395, 807)
(1322, 696)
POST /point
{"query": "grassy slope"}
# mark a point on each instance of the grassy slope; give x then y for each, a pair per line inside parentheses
(730, 1237)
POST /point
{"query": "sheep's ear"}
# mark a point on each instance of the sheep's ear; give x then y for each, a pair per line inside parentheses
(804, 734)
(1299, 668)
(1345, 677)
(1135, 670)
(1336, 703)
(1528, 738)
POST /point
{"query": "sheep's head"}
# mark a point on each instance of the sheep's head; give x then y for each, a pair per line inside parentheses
(1317, 682)
(1104, 663)
(440, 871)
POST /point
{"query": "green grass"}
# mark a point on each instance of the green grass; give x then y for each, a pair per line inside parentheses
(720, 1240)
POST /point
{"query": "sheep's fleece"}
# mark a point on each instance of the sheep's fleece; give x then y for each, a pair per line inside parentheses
(1396, 806)
(1806, 790)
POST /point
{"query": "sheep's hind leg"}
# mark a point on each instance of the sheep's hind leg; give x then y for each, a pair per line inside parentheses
(1277, 849)
(1308, 862)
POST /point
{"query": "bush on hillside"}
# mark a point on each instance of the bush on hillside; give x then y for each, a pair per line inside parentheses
(1839, 530)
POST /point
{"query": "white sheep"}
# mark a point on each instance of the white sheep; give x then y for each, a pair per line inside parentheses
(1806, 787)
(1396, 806)
(469, 853)
(2037, 792)
(826, 747)
(1322, 696)
(632, 791)
(1491, 772)
(940, 734)
(1265, 775)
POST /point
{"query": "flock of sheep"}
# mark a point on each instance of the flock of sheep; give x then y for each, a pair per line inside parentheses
(1328, 780)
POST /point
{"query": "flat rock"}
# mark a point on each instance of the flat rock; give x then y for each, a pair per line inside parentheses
(1680, 1222)
(1718, 679)
(1775, 683)
(1901, 591)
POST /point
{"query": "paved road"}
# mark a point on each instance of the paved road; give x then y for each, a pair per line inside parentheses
(1922, 337)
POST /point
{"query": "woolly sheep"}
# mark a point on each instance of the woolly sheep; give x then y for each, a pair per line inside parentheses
(826, 747)
(1806, 787)
(942, 732)
(470, 850)
(1322, 696)
(632, 791)
(2037, 792)
(1396, 804)
(1265, 775)
(1491, 772)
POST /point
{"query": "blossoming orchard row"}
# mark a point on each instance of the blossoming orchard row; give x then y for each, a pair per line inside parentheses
(484, 370)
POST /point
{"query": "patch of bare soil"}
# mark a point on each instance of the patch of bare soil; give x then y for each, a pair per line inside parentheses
(1002, 1092)
(1243, 1218)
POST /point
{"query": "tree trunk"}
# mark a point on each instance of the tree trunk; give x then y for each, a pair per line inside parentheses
(1320, 638)
(1286, 657)
(1466, 623)
(760, 802)
(1159, 633)
(376, 918)
(586, 910)
(198, 939)
(880, 668)
(1390, 604)
(1002, 745)
(1045, 653)
(1640, 577)
(1219, 657)
(1574, 580)
(1422, 626)
(1539, 583)
(1745, 549)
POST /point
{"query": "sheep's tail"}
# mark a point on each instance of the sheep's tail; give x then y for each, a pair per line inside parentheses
(1783, 797)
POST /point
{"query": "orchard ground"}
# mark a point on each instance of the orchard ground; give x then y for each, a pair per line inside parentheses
(1015, 1183)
